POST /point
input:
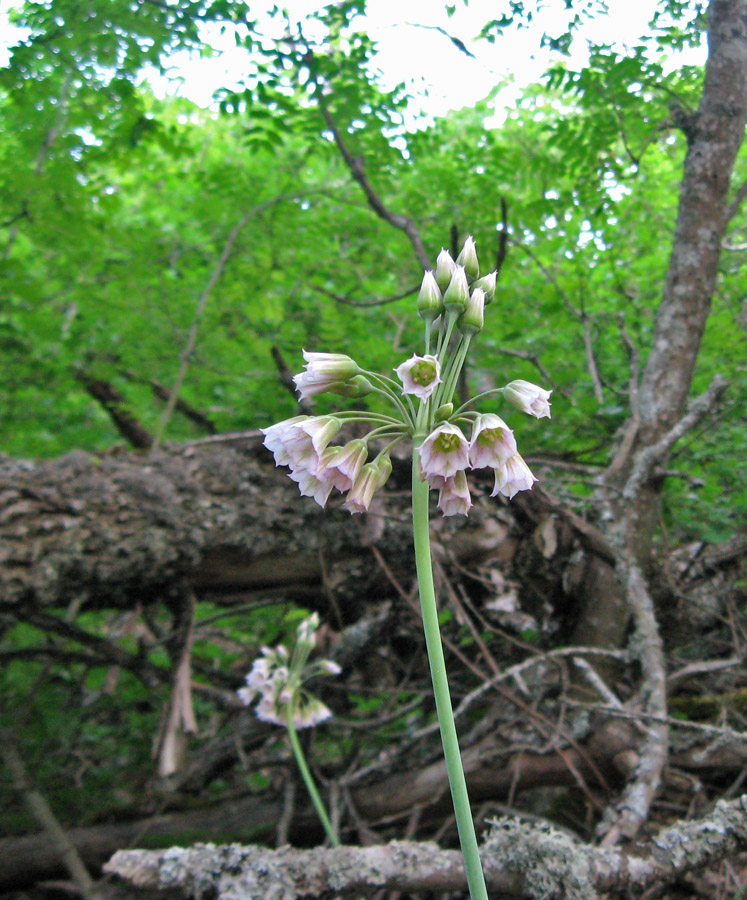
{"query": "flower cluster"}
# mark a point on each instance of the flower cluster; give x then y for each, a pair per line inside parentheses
(278, 676)
(451, 302)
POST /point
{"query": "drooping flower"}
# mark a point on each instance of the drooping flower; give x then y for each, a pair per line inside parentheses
(341, 465)
(372, 476)
(528, 397)
(512, 477)
(277, 437)
(310, 485)
(297, 442)
(454, 497)
(323, 372)
(492, 444)
(444, 452)
(419, 375)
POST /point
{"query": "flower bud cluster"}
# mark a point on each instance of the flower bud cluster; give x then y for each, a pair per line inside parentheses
(278, 677)
(452, 302)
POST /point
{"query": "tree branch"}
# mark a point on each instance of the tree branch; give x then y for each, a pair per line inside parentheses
(403, 223)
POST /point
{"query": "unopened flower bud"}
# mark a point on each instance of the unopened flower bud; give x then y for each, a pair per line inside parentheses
(472, 318)
(456, 296)
(357, 386)
(430, 302)
(323, 371)
(444, 412)
(445, 267)
(468, 259)
(487, 283)
(384, 467)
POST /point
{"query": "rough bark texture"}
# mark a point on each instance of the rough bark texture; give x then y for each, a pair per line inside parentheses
(715, 134)
(520, 859)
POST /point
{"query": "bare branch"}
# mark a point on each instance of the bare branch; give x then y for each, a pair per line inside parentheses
(403, 223)
(364, 303)
(42, 812)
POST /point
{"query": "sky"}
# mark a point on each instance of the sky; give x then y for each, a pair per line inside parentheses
(412, 50)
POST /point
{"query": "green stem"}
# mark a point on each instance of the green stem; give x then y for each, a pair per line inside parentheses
(463, 813)
(308, 778)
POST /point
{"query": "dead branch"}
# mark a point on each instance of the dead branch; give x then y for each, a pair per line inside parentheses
(520, 858)
(338, 298)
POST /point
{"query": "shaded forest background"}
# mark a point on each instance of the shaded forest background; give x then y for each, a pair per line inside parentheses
(162, 268)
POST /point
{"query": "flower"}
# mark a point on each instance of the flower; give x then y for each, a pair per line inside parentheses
(280, 683)
(341, 465)
(278, 436)
(512, 477)
(445, 268)
(457, 293)
(454, 496)
(492, 443)
(444, 452)
(297, 442)
(420, 375)
(324, 371)
(472, 319)
(468, 259)
(311, 486)
(430, 302)
(372, 476)
(528, 398)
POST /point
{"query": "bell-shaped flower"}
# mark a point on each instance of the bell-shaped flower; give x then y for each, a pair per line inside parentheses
(492, 444)
(341, 465)
(444, 452)
(279, 435)
(528, 398)
(445, 268)
(297, 442)
(468, 259)
(512, 477)
(454, 497)
(456, 295)
(430, 301)
(372, 476)
(323, 372)
(311, 486)
(419, 375)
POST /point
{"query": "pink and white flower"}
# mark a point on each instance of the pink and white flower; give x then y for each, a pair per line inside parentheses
(311, 486)
(299, 441)
(444, 452)
(323, 371)
(278, 436)
(372, 476)
(420, 375)
(342, 465)
(454, 497)
(492, 443)
(512, 477)
(528, 397)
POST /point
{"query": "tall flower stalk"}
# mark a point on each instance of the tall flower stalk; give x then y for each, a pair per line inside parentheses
(278, 678)
(452, 303)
